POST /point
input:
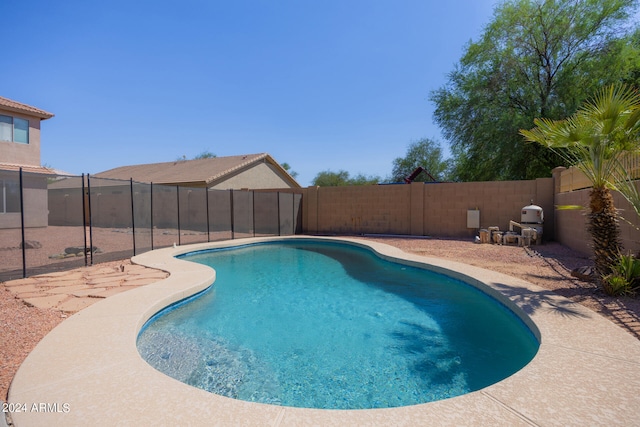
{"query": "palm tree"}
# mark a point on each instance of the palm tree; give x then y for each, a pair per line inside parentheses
(595, 139)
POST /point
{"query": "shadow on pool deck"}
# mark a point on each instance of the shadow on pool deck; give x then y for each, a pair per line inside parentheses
(531, 301)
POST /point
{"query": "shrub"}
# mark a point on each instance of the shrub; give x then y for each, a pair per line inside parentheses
(625, 276)
(616, 285)
(628, 266)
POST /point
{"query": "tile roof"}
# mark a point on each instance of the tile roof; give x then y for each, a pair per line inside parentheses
(203, 171)
(8, 104)
(26, 168)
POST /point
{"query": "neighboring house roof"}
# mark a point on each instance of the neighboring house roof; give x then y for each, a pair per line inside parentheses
(195, 172)
(26, 168)
(8, 104)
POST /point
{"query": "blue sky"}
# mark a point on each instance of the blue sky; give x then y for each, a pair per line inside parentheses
(321, 85)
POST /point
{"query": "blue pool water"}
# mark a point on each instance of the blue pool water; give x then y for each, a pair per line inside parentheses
(326, 325)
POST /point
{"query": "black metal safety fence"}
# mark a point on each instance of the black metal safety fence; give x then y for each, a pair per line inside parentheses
(53, 223)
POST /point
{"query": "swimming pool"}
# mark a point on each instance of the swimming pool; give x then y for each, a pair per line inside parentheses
(584, 367)
(345, 330)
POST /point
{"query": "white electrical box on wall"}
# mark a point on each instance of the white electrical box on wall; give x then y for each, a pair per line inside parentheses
(473, 218)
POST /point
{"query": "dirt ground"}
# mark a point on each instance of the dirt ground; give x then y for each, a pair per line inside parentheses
(548, 266)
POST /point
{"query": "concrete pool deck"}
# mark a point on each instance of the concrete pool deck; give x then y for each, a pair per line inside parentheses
(87, 371)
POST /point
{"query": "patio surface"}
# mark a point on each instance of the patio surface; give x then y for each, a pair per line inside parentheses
(71, 291)
(87, 371)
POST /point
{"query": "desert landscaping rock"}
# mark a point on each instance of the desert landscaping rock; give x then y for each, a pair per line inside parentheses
(79, 250)
(31, 244)
(586, 274)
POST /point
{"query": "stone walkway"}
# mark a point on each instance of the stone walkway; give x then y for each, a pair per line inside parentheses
(71, 291)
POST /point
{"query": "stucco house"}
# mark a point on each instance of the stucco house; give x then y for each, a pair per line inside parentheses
(250, 171)
(20, 148)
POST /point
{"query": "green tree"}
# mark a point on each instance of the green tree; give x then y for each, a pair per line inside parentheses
(425, 153)
(630, 64)
(287, 167)
(596, 139)
(362, 179)
(535, 59)
(206, 154)
(335, 179)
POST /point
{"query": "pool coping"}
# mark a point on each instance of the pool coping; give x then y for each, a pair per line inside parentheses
(87, 371)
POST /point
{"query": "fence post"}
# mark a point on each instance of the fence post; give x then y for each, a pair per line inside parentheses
(133, 219)
(84, 221)
(151, 213)
(231, 210)
(278, 202)
(24, 253)
(90, 220)
(178, 208)
(206, 200)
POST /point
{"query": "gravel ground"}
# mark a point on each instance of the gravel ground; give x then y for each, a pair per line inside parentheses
(22, 327)
(547, 266)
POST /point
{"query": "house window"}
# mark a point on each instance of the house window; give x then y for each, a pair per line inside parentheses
(14, 129)
(9, 196)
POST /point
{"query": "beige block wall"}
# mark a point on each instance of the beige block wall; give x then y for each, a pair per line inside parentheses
(357, 209)
(572, 224)
(446, 205)
(18, 153)
(423, 209)
(416, 208)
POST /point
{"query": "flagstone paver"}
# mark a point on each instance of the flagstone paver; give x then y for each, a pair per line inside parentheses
(111, 291)
(137, 282)
(106, 280)
(87, 292)
(22, 282)
(50, 301)
(28, 295)
(67, 290)
(58, 274)
(76, 304)
(71, 291)
(25, 289)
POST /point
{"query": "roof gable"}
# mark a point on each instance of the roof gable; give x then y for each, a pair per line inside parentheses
(199, 171)
(10, 105)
